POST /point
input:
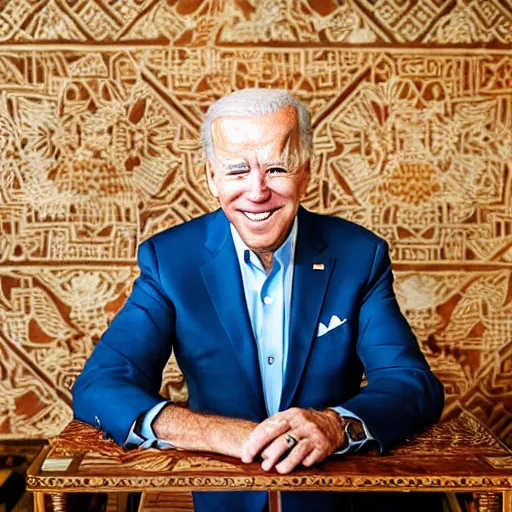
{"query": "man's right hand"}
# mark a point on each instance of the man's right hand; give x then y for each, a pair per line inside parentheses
(191, 430)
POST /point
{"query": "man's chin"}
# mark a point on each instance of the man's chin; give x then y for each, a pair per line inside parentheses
(258, 247)
(255, 243)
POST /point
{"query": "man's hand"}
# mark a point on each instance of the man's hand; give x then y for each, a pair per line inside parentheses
(319, 433)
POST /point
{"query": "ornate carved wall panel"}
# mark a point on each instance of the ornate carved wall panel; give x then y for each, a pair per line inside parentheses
(100, 108)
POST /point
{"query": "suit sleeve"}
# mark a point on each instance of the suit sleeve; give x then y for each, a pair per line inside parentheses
(402, 395)
(122, 377)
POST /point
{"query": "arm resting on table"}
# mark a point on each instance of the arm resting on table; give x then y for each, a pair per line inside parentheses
(402, 395)
(122, 377)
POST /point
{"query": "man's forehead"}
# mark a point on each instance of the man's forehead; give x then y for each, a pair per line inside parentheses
(287, 113)
(283, 122)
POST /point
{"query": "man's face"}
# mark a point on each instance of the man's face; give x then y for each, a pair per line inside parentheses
(257, 175)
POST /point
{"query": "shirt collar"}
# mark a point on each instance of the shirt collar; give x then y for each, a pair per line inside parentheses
(284, 254)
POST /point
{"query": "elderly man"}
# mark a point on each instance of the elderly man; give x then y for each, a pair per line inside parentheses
(273, 312)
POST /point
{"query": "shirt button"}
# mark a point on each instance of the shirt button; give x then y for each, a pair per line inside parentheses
(270, 359)
(268, 300)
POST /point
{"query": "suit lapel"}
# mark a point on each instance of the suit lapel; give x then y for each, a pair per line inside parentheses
(223, 281)
(309, 289)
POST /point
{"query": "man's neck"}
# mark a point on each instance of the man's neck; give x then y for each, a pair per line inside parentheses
(267, 260)
(284, 253)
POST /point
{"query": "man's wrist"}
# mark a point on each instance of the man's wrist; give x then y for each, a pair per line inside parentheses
(163, 422)
(354, 433)
(340, 427)
(142, 435)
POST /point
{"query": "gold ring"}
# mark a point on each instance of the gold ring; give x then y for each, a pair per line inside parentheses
(291, 440)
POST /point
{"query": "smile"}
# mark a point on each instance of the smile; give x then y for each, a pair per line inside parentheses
(258, 217)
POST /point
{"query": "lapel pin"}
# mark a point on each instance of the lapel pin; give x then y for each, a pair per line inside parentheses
(318, 266)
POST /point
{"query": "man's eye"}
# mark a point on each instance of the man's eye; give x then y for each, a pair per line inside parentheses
(238, 172)
(277, 170)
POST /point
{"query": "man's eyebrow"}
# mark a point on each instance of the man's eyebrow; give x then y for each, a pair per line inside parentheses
(234, 166)
(276, 163)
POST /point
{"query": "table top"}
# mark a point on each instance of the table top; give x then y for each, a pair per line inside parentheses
(459, 454)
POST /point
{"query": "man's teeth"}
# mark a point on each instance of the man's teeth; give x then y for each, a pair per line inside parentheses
(258, 216)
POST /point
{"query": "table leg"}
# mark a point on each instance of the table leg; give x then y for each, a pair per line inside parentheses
(39, 502)
(488, 501)
(274, 501)
(507, 501)
(59, 501)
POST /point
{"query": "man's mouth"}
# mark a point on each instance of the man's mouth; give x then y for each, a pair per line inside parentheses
(258, 217)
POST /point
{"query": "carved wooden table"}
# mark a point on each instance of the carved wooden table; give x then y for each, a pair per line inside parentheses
(460, 455)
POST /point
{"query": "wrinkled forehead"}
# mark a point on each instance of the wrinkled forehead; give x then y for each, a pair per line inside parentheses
(280, 129)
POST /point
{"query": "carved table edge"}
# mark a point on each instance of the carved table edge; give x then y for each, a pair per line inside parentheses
(36, 464)
(126, 483)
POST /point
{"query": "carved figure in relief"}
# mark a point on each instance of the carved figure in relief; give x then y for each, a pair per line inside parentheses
(274, 313)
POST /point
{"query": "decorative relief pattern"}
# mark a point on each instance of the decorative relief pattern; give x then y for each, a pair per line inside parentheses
(99, 150)
(255, 22)
(254, 483)
(472, 22)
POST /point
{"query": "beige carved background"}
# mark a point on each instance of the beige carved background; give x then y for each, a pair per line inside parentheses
(100, 107)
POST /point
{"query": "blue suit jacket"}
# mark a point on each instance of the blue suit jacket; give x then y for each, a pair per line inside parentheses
(189, 297)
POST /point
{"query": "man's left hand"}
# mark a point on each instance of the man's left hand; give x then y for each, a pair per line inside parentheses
(319, 433)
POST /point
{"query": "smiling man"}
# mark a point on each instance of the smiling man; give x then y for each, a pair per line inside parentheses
(274, 314)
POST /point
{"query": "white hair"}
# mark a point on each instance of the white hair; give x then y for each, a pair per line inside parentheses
(253, 103)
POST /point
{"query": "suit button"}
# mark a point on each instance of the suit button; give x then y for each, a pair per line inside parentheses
(270, 359)
(268, 300)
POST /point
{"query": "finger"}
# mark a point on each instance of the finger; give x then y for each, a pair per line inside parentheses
(296, 456)
(288, 440)
(262, 435)
(314, 457)
(275, 451)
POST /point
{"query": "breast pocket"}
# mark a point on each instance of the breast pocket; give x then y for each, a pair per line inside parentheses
(335, 325)
(331, 364)
(337, 335)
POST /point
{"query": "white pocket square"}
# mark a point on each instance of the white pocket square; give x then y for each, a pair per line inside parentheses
(333, 323)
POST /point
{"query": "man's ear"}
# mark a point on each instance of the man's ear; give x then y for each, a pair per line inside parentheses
(306, 177)
(210, 176)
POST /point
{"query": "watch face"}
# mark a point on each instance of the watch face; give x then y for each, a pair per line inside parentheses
(355, 431)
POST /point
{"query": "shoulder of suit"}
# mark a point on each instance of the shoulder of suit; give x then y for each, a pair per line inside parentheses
(189, 232)
(337, 229)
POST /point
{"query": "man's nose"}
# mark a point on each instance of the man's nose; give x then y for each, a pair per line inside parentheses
(258, 189)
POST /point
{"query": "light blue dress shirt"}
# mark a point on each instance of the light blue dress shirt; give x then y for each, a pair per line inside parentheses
(268, 299)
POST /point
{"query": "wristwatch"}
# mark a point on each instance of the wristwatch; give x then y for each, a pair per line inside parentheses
(355, 433)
